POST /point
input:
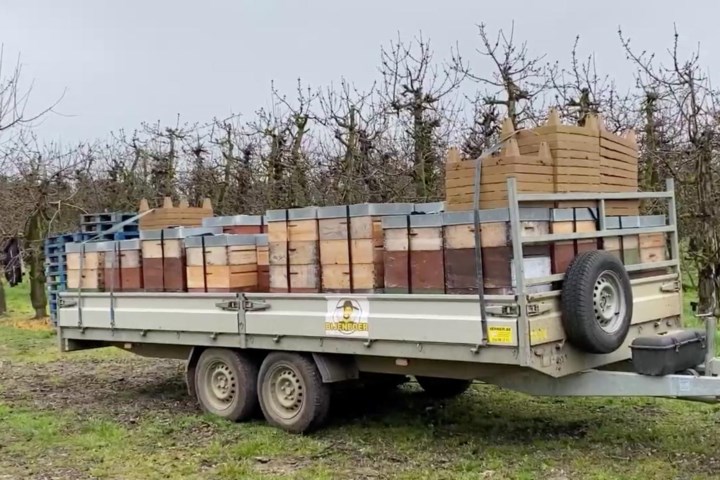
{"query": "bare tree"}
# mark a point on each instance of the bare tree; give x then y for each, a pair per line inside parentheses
(419, 93)
(580, 90)
(14, 118)
(683, 135)
(518, 79)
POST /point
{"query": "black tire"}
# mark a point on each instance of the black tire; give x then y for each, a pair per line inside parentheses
(596, 302)
(443, 387)
(306, 400)
(226, 384)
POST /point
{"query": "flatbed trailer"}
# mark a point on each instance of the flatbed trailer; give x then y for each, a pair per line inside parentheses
(282, 352)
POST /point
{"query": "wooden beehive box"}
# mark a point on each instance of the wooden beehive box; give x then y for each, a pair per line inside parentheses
(169, 216)
(293, 240)
(636, 249)
(163, 257)
(413, 254)
(221, 263)
(263, 262)
(238, 224)
(85, 266)
(123, 266)
(351, 245)
(496, 250)
(571, 220)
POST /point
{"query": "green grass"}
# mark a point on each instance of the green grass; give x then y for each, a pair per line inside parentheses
(487, 433)
(18, 299)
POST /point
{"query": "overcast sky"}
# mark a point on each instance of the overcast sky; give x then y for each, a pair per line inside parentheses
(125, 61)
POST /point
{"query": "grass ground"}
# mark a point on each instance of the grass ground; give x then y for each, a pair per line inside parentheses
(106, 414)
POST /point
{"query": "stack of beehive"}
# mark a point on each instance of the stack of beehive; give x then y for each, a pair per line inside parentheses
(122, 265)
(222, 263)
(332, 249)
(436, 253)
(550, 158)
(85, 266)
(163, 257)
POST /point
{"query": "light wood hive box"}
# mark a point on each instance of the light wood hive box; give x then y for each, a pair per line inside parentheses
(222, 263)
(351, 245)
(293, 241)
(85, 266)
(168, 215)
(551, 158)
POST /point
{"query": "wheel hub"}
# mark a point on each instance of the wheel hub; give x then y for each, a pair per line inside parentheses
(286, 392)
(608, 302)
(222, 383)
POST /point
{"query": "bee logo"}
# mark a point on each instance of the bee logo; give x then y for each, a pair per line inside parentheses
(347, 318)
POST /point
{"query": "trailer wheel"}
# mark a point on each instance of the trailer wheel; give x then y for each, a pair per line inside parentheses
(226, 384)
(596, 302)
(292, 394)
(443, 387)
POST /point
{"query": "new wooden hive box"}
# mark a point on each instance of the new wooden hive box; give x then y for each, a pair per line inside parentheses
(293, 240)
(123, 266)
(496, 249)
(351, 245)
(163, 257)
(222, 263)
(85, 266)
(238, 224)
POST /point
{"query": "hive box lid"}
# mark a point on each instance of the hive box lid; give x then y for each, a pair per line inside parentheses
(635, 221)
(365, 210)
(261, 240)
(234, 220)
(280, 215)
(223, 240)
(78, 247)
(428, 220)
(432, 207)
(178, 233)
(495, 215)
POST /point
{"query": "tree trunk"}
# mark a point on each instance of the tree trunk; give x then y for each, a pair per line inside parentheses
(34, 234)
(706, 288)
(3, 301)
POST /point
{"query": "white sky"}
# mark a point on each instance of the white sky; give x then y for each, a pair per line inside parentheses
(122, 62)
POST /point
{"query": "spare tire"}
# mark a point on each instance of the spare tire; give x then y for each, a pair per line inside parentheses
(596, 302)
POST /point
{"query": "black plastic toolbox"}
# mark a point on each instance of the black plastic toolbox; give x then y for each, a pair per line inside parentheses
(668, 353)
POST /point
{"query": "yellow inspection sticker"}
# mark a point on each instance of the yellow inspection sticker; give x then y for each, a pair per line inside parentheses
(502, 335)
(538, 335)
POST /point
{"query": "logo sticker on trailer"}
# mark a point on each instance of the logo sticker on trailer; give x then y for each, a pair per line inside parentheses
(347, 317)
